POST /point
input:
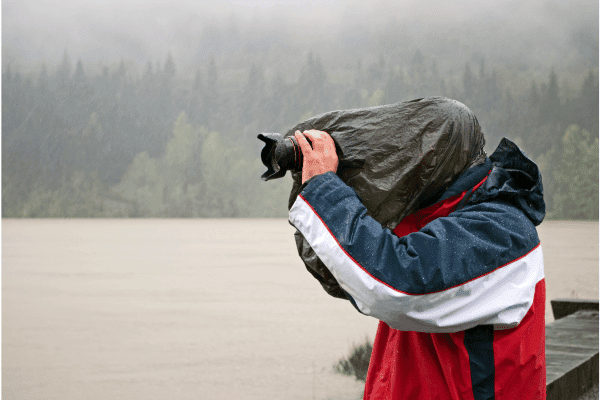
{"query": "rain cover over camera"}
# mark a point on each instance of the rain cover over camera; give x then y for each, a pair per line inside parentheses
(398, 158)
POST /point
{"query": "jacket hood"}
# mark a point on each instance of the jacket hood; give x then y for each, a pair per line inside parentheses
(516, 179)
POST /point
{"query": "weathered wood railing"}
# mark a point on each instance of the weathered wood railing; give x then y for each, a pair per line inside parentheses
(572, 349)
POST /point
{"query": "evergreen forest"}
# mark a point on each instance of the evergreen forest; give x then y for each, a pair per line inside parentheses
(127, 140)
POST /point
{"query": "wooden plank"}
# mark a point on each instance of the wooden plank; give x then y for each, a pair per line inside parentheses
(563, 307)
(575, 382)
(563, 363)
(557, 347)
(585, 341)
(572, 355)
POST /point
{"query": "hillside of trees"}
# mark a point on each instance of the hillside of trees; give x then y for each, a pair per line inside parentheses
(153, 142)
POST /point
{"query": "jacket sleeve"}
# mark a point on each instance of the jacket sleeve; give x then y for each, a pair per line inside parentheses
(479, 265)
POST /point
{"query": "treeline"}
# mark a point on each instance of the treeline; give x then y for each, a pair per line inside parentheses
(159, 144)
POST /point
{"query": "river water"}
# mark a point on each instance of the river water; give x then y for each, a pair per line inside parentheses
(195, 309)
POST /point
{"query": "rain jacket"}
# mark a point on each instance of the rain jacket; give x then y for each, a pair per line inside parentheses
(398, 158)
(458, 285)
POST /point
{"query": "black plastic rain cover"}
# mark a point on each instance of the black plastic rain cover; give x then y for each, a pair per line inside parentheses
(398, 158)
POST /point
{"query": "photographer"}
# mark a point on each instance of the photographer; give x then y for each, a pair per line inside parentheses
(458, 285)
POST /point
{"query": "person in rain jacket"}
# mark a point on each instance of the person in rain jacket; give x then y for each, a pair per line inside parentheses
(458, 285)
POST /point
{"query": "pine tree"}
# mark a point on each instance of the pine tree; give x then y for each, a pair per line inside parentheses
(550, 105)
(394, 88)
(575, 194)
(212, 114)
(587, 109)
(252, 102)
(63, 74)
(469, 81)
(310, 91)
(79, 74)
(169, 68)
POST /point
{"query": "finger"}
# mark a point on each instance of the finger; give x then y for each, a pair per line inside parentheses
(329, 143)
(314, 134)
(304, 145)
(326, 143)
(318, 138)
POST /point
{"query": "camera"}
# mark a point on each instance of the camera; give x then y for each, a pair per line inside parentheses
(279, 155)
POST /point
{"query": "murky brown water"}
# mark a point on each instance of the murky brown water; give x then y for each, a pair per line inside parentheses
(194, 309)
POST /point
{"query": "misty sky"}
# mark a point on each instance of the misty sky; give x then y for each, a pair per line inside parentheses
(105, 31)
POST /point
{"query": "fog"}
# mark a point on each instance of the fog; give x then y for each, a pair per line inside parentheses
(103, 32)
(97, 95)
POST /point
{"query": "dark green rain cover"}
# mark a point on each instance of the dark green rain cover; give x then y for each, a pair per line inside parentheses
(398, 158)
